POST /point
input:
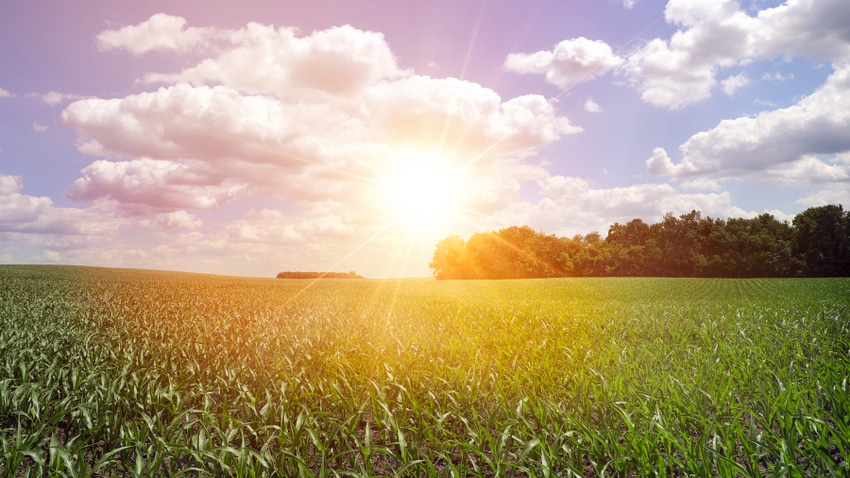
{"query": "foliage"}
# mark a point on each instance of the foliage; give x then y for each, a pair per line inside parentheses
(817, 244)
(142, 373)
(823, 241)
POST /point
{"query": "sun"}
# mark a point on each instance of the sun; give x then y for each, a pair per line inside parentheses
(422, 194)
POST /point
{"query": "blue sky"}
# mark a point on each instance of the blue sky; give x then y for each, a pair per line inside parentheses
(330, 135)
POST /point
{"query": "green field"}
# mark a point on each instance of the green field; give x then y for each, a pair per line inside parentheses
(107, 372)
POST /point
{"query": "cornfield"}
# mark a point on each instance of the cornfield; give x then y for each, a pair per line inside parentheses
(109, 372)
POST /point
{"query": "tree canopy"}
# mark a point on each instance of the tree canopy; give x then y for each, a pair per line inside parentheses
(815, 244)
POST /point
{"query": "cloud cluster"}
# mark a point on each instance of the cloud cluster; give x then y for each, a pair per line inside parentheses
(718, 34)
(801, 144)
(572, 205)
(260, 59)
(683, 69)
(147, 186)
(796, 145)
(816, 29)
(311, 119)
(24, 214)
(711, 36)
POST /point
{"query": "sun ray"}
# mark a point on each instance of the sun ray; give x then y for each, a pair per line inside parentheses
(420, 189)
(353, 251)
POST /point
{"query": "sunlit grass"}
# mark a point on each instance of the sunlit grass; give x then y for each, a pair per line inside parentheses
(139, 373)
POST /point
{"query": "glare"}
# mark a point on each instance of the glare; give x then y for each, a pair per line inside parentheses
(422, 192)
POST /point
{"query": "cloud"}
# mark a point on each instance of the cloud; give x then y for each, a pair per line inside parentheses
(261, 60)
(629, 4)
(312, 120)
(831, 194)
(702, 184)
(777, 77)
(571, 205)
(178, 220)
(53, 98)
(177, 121)
(798, 145)
(50, 256)
(262, 242)
(147, 186)
(38, 127)
(17, 208)
(712, 36)
(159, 32)
(270, 226)
(682, 70)
(769, 104)
(5, 94)
(569, 62)
(734, 83)
(814, 29)
(22, 213)
(465, 117)
(660, 163)
(591, 106)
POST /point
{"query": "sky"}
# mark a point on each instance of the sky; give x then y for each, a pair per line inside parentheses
(264, 136)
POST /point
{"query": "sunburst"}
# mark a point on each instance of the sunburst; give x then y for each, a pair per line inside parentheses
(422, 192)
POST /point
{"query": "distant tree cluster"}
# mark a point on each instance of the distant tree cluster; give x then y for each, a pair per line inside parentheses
(815, 244)
(319, 275)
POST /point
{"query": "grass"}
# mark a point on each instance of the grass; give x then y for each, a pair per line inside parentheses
(108, 372)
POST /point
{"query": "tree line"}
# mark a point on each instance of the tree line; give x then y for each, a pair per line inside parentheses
(815, 244)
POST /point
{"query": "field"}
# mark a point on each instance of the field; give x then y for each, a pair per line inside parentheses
(107, 372)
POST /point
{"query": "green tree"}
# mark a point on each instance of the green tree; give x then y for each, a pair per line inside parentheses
(681, 245)
(822, 241)
(817, 243)
(627, 246)
(547, 251)
(450, 260)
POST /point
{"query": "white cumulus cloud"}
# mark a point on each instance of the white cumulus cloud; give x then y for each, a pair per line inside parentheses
(159, 32)
(571, 205)
(800, 144)
(263, 60)
(734, 83)
(148, 186)
(717, 34)
(591, 106)
(24, 214)
(676, 72)
(569, 62)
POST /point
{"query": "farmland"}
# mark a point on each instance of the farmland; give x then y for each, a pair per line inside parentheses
(109, 372)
